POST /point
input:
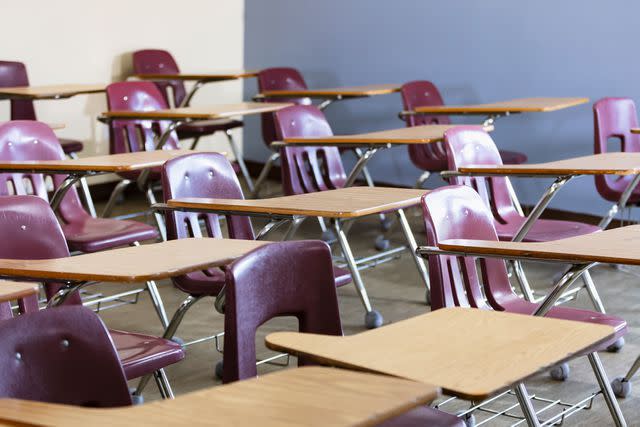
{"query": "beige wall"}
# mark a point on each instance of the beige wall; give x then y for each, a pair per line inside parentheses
(80, 41)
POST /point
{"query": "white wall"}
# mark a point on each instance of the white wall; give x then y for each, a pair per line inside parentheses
(79, 41)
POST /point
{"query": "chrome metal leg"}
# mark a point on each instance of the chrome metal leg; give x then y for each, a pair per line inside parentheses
(632, 371)
(360, 164)
(525, 287)
(293, 227)
(194, 143)
(271, 225)
(526, 406)
(163, 384)
(513, 196)
(264, 173)
(324, 104)
(113, 198)
(422, 178)
(540, 207)
(143, 178)
(622, 203)
(187, 99)
(61, 191)
(86, 193)
(368, 179)
(353, 268)
(607, 392)
(411, 242)
(240, 159)
(593, 292)
(561, 286)
(156, 299)
(158, 216)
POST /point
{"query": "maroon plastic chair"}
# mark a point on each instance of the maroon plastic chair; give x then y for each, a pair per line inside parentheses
(33, 230)
(290, 279)
(433, 157)
(61, 355)
(470, 145)
(459, 212)
(613, 119)
(15, 74)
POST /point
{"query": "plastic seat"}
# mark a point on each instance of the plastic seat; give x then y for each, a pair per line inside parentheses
(613, 119)
(208, 175)
(290, 279)
(470, 145)
(158, 61)
(458, 212)
(433, 157)
(33, 230)
(66, 357)
(14, 73)
(28, 140)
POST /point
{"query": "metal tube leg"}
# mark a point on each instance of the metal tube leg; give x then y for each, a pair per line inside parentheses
(513, 196)
(293, 227)
(526, 406)
(632, 371)
(113, 198)
(360, 164)
(607, 392)
(158, 216)
(369, 181)
(373, 318)
(622, 203)
(163, 384)
(593, 292)
(62, 190)
(264, 173)
(194, 143)
(240, 159)
(411, 241)
(271, 225)
(422, 178)
(561, 286)
(86, 194)
(525, 287)
(156, 300)
(540, 207)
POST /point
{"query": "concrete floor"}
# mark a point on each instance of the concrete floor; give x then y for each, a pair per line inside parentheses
(397, 292)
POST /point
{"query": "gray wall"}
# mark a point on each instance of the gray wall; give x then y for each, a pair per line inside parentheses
(474, 51)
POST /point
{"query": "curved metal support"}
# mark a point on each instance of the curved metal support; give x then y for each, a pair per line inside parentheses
(113, 198)
(421, 179)
(540, 207)
(144, 175)
(561, 286)
(622, 203)
(187, 99)
(62, 190)
(65, 291)
(525, 287)
(293, 227)
(220, 301)
(360, 164)
(240, 159)
(271, 225)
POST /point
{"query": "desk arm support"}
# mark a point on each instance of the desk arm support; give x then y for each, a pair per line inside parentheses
(561, 287)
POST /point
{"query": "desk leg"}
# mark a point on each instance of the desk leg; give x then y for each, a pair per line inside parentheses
(373, 318)
(61, 191)
(526, 406)
(607, 392)
(622, 203)
(411, 241)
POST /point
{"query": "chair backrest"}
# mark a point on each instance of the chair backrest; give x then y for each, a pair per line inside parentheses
(157, 61)
(307, 169)
(13, 73)
(471, 145)
(423, 93)
(34, 232)
(35, 141)
(208, 175)
(292, 278)
(137, 135)
(458, 212)
(613, 118)
(279, 78)
(61, 355)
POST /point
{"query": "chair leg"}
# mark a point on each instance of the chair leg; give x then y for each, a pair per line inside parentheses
(156, 299)
(163, 384)
(194, 143)
(527, 292)
(86, 193)
(526, 406)
(240, 159)
(113, 198)
(593, 292)
(157, 215)
(264, 173)
(421, 180)
(607, 392)
(411, 242)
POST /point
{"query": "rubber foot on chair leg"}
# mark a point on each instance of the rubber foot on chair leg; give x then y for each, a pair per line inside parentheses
(621, 388)
(135, 398)
(382, 243)
(386, 223)
(373, 319)
(616, 346)
(178, 340)
(560, 372)
(219, 370)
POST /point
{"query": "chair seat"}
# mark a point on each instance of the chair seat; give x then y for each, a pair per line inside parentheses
(424, 416)
(144, 354)
(513, 157)
(518, 305)
(206, 127)
(71, 145)
(97, 234)
(545, 230)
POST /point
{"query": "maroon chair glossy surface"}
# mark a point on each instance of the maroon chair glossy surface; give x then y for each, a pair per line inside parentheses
(279, 78)
(458, 212)
(29, 140)
(433, 157)
(290, 279)
(61, 355)
(613, 119)
(157, 61)
(14, 73)
(33, 230)
(208, 175)
(470, 145)
(307, 169)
